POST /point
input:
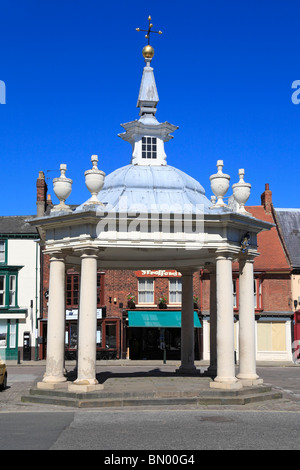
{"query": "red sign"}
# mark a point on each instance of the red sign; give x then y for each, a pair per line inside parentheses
(158, 273)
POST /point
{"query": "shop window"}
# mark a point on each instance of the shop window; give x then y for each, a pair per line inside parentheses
(99, 335)
(175, 291)
(146, 291)
(149, 147)
(110, 335)
(3, 333)
(12, 334)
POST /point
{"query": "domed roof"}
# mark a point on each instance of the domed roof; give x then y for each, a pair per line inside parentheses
(163, 187)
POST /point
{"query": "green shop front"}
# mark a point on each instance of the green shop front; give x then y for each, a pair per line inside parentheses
(10, 313)
(157, 335)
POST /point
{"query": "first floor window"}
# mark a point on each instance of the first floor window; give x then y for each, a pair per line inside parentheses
(2, 251)
(146, 291)
(175, 290)
(257, 293)
(12, 291)
(2, 291)
(234, 293)
(72, 290)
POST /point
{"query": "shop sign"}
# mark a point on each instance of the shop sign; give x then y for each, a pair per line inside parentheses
(158, 273)
(72, 314)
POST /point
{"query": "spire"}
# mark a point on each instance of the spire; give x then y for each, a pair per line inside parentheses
(148, 96)
(146, 135)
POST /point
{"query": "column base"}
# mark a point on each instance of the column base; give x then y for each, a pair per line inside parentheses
(84, 388)
(52, 385)
(249, 380)
(226, 384)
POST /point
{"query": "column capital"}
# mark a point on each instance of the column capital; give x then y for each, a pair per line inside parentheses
(58, 255)
(226, 254)
(243, 260)
(87, 252)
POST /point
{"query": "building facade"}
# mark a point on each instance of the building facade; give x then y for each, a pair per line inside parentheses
(19, 288)
(288, 223)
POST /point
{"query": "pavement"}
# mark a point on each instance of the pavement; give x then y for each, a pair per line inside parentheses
(139, 383)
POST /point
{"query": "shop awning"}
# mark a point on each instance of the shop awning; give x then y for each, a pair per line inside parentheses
(160, 319)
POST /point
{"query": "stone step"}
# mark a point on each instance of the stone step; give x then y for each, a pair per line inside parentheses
(93, 400)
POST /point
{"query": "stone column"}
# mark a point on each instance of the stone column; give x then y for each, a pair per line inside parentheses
(247, 349)
(87, 336)
(212, 370)
(54, 375)
(225, 328)
(187, 325)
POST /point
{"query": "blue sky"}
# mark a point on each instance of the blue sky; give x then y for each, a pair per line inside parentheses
(223, 69)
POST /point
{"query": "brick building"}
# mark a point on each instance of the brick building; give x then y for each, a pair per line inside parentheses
(288, 222)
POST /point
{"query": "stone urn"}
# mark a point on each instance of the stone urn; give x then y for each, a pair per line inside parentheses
(94, 180)
(219, 184)
(241, 192)
(62, 188)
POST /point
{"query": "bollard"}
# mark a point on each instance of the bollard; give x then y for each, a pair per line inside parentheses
(165, 356)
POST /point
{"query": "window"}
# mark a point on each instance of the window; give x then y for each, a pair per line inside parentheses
(2, 291)
(149, 147)
(2, 251)
(146, 291)
(234, 293)
(175, 289)
(257, 294)
(100, 290)
(110, 335)
(72, 290)
(3, 333)
(12, 291)
(12, 334)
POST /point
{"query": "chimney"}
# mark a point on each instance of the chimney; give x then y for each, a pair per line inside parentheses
(266, 199)
(41, 194)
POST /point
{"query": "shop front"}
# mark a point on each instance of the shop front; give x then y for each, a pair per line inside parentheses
(157, 335)
(108, 335)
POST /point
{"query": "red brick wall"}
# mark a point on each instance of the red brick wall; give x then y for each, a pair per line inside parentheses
(276, 291)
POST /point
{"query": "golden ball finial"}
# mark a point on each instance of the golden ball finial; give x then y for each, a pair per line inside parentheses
(148, 52)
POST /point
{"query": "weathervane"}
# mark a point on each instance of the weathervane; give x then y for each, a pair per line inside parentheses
(149, 31)
(148, 51)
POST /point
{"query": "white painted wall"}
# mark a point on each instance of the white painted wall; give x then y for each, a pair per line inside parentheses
(23, 252)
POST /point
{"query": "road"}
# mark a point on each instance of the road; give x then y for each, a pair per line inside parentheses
(265, 426)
